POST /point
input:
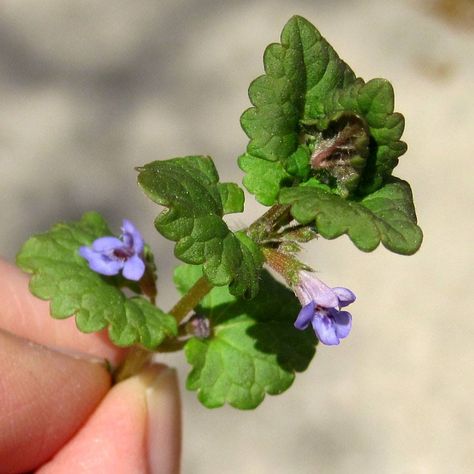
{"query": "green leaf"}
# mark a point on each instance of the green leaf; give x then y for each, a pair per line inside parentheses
(309, 97)
(61, 275)
(299, 73)
(386, 216)
(264, 178)
(189, 187)
(232, 197)
(247, 276)
(375, 102)
(298, 163)
(254, 348)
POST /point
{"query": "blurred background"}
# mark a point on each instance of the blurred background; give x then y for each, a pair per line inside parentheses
(89, 89)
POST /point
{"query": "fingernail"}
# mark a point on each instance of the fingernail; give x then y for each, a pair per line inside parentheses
(164, 419)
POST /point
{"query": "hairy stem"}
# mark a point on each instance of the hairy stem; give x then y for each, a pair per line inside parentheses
(278, 215)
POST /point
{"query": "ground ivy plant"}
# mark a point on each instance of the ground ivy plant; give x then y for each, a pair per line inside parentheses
(322, 150)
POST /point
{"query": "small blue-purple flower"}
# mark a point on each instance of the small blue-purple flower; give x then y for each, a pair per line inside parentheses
(112, 255)
(321, 306)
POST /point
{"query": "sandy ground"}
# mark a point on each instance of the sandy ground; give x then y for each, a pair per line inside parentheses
(91, 89)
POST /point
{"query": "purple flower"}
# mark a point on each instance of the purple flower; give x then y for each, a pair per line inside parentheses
(321, 306)
(110, 255)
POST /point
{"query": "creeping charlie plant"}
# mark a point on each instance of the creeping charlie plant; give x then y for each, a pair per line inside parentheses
(323, 146)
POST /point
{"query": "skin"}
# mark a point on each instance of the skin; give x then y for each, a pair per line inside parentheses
(59, 413)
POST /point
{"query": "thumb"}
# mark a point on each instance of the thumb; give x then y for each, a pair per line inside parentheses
(45, 397)
(136, 428)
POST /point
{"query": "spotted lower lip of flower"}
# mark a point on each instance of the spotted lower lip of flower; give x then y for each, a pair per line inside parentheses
(111, 255)
(321, 307)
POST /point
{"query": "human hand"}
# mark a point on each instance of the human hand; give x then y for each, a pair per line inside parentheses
(59, 413)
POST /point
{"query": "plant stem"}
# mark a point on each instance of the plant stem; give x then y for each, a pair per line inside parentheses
(275, 217)
(136, 359)
(139, 357)
(191, 299)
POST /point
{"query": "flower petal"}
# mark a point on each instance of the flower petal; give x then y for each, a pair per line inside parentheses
(106, 244)
(132, 237)
(342, 323)
(319, 292)
(87, 253)
(305, 316)
(344, 295)
(302, 295)
(134, 268)
(100, 263)
(327, 299)
(325, 330)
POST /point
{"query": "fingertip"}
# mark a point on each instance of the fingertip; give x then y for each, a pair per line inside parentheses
(136, 428)
(164, 423)
(45, 397)
(112, 440)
